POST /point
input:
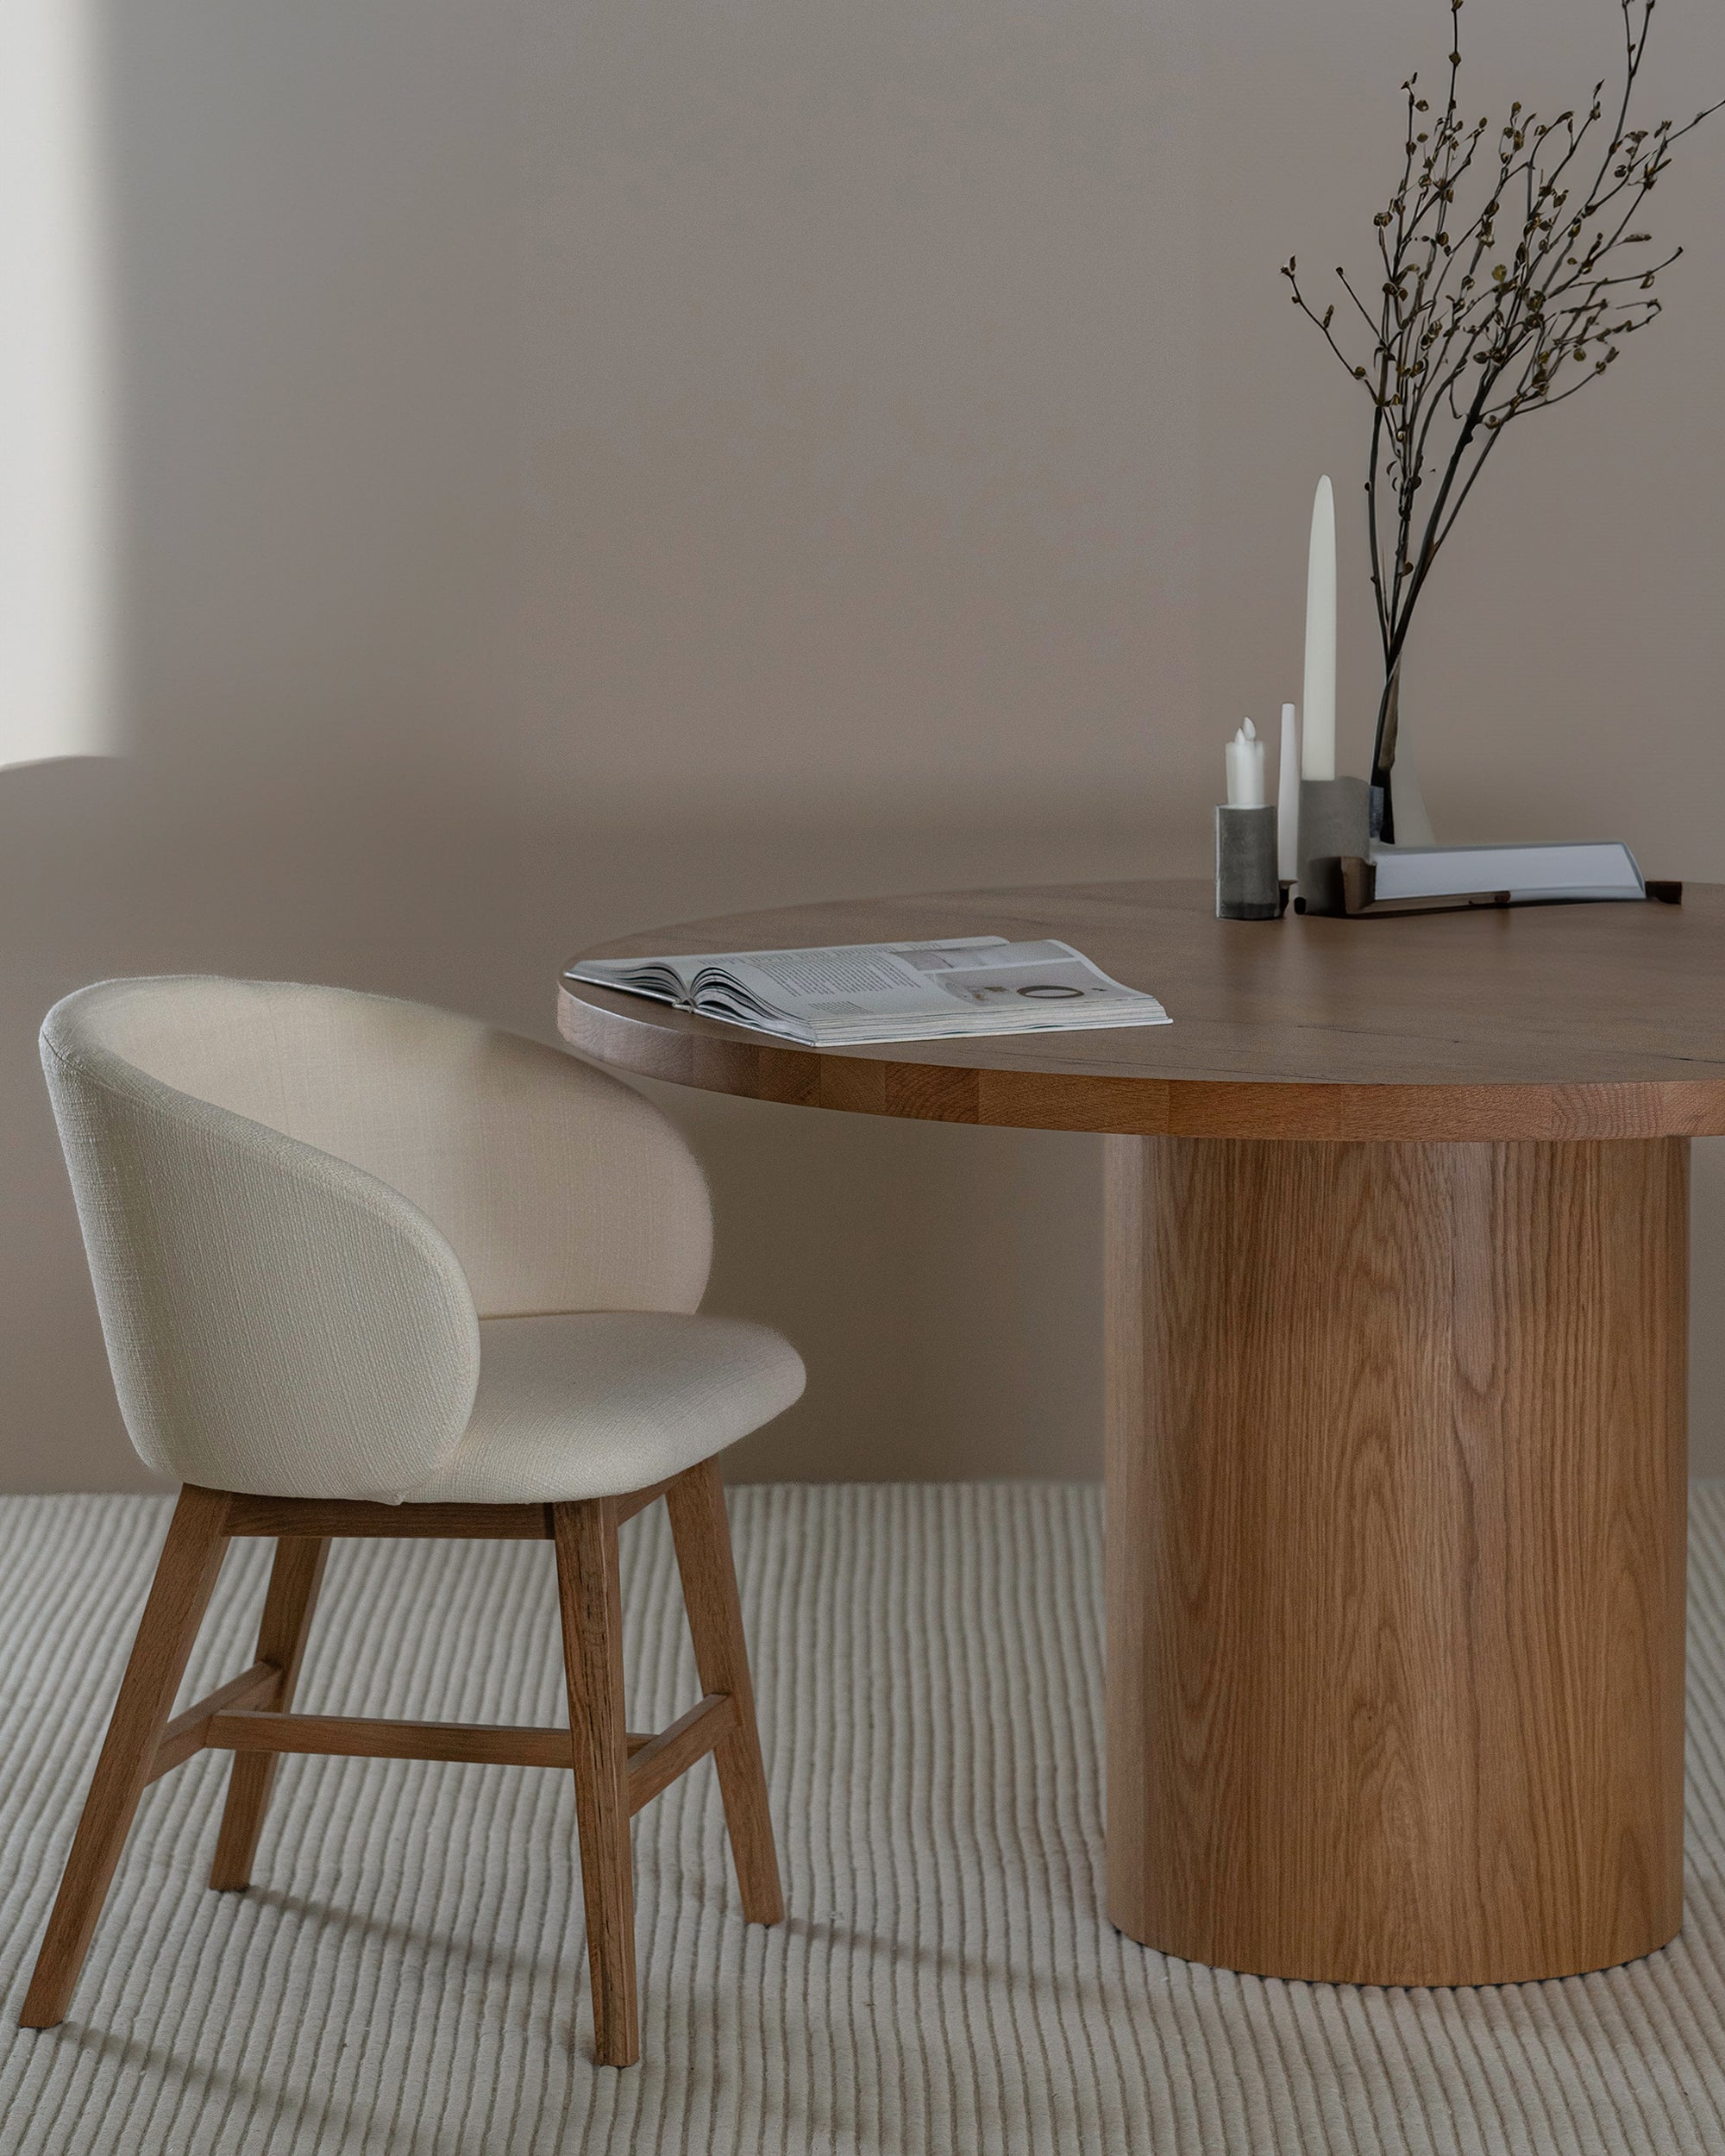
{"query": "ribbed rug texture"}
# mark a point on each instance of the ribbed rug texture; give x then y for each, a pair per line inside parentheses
(409, 1972)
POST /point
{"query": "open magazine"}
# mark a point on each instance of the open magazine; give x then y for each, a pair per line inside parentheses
(853, 992)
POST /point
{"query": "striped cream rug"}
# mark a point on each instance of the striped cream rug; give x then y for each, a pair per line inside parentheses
(408, 1975)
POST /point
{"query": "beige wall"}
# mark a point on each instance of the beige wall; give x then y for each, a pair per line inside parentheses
(587, 466)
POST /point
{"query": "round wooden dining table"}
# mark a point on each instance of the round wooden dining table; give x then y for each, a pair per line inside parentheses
(1397, 1231)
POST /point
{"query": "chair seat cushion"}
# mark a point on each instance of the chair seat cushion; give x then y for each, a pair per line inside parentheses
(599, 1402)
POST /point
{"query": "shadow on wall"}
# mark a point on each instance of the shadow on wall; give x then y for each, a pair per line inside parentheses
(564, 477)
(577, 469)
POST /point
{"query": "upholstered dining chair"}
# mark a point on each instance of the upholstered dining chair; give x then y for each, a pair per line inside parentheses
(365, 1267)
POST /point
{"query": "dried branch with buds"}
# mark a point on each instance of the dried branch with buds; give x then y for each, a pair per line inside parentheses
(1483, 315)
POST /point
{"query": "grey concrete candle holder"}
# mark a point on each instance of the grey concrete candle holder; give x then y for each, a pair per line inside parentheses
(1334, 821)
(1246, 885)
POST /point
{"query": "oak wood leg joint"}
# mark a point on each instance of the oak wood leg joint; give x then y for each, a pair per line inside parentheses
(616, 1771)
(295, 1579)
(657, 1763)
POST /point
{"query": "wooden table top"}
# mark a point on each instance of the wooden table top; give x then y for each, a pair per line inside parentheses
(1537, 1022)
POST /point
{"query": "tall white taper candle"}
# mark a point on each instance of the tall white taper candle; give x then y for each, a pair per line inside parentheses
(1287, 799)
(1318, 709)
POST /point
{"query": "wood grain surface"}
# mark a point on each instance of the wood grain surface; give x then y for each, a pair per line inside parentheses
(184, 1580)
(253, 1734)
(695, 1732)
(701, 1531)
(1396, 1460)
(189, 1731)
(295, 1577)
(1540, 1022)
(590, 1597)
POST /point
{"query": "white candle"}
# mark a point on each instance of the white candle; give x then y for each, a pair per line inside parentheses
(1287, 799)
(1317, 708)
(1245, 768)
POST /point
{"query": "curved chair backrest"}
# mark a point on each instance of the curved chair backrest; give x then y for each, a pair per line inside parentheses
(298, 1202)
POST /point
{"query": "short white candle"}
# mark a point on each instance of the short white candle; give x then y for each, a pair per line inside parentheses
(1287, 799)
(1245, 768)
(1317, 708)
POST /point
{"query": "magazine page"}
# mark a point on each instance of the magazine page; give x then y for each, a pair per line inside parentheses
(859, 993)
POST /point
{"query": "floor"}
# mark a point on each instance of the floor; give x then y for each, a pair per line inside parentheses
(408, 1975)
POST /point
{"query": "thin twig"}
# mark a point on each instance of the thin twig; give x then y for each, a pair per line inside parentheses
(1474, 330)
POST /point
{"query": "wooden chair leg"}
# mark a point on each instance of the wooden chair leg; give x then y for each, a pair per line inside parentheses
(591, 1595)
(295, 1578)
(185, 1577)
(701, 1532)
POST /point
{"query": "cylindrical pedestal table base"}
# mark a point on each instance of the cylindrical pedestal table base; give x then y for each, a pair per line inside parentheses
(1395, 1554)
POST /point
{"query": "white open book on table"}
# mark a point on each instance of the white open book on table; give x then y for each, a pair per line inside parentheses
(848, 994)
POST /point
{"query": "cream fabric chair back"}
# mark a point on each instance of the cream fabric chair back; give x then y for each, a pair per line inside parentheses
(298, 1202)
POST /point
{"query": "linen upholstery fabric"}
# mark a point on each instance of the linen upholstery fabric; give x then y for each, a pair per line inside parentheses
(557, 1187)
(650, 1392)
(299, 1202)
(276, 1321)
